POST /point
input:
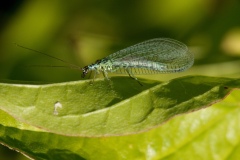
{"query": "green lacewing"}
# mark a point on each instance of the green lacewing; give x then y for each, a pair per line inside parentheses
(159, 55)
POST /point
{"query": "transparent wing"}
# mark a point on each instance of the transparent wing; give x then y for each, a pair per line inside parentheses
(161, 55)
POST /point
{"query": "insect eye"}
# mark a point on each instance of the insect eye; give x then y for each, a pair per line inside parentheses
(84, 71)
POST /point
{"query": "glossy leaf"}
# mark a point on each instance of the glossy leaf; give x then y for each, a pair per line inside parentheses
(208, 133)
(105, 109)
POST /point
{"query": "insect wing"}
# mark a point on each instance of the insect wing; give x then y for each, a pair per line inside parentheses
(160, 55)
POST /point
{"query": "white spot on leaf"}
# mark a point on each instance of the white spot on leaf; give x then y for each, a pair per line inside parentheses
(56, 106)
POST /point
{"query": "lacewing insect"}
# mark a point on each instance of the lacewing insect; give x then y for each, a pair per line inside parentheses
(159, 55)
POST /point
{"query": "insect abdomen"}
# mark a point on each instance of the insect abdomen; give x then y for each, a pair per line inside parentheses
(151, 67)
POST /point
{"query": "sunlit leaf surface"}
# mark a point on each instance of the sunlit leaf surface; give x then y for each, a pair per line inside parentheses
(121, 119)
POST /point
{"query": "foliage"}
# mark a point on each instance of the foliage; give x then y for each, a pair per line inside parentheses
(115, 121)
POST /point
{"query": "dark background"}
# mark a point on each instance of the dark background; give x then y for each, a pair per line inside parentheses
(81, 31)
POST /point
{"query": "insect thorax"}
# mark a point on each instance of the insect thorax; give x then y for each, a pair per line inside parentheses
(102, 65)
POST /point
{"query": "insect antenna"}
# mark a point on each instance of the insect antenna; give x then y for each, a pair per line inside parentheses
(70, 65)
(53, 66)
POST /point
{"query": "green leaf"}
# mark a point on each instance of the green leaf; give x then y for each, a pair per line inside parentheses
(105, 109)
(211, 133)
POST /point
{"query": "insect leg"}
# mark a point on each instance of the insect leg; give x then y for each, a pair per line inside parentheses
(92, 80)
(90, 74)
(105, 75)
(94, 76)
(132, 76)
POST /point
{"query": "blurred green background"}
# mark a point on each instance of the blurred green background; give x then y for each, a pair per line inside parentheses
(81, 32)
